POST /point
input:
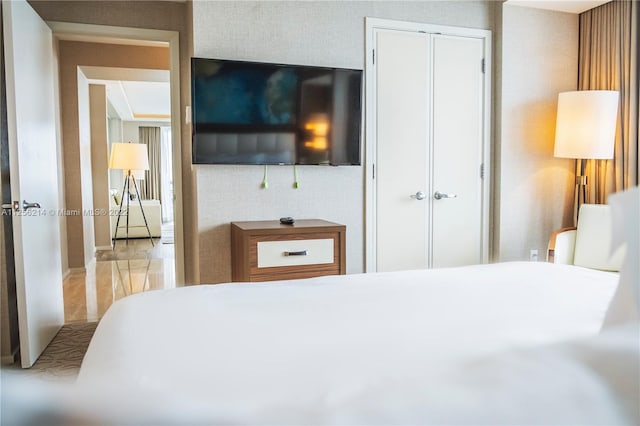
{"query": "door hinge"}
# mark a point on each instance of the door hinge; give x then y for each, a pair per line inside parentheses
(482, 171)
(373, 53)
(374, 171)
(482, 65)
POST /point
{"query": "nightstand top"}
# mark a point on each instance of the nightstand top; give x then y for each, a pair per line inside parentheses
(275, 224)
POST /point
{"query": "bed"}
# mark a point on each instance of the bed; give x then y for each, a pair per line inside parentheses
(306, 351)
(510, 343)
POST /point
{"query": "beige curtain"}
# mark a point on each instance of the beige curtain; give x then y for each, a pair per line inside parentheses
(608, 60)
(150, 187)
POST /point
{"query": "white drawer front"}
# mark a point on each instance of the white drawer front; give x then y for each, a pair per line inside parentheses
(275, 253)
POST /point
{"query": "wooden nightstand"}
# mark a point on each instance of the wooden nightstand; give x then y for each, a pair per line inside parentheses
(268, 250)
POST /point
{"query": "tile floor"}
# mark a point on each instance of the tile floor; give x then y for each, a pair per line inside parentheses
(130, 268)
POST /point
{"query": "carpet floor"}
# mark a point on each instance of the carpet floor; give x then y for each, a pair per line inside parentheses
(61, 360)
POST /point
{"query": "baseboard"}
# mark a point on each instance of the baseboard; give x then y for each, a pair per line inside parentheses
(77, 270)
(66, 274)
(10, 359)
(99, 248)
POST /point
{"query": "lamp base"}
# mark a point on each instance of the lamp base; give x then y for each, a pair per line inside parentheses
(126, 189)
(580, 191)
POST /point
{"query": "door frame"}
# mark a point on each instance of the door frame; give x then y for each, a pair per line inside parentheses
(371, 26)
(117, 35)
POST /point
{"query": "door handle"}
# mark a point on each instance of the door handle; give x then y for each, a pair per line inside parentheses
(418, 195)
(439, 195)
(27, 206)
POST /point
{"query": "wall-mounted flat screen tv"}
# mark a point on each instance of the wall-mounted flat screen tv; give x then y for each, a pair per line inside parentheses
(262, 113)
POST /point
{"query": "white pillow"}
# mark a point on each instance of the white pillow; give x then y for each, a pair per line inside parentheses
(625, 305)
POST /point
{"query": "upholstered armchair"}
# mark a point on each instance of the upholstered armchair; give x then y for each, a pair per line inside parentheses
(588, 244)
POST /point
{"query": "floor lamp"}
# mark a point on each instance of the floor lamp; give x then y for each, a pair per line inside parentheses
(585, 129)
(129, 157)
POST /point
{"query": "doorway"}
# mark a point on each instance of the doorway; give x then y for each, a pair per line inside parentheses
(132, 106)
(428, 133)
(125, 105)
(147, 37)
(138, 110)
(136, 265)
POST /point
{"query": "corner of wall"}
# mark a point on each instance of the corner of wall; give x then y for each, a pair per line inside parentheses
(539, 59)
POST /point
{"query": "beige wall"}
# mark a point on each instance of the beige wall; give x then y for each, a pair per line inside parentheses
(99, 164)
(535, 190)
(76, 143)
(311, 33)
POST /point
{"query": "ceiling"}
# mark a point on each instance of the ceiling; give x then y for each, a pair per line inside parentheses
(134, 94)
(570, 6)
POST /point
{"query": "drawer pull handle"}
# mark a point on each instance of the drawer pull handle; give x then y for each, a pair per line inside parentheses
(296, 253)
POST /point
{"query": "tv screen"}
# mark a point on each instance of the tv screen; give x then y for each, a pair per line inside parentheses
(260, 113)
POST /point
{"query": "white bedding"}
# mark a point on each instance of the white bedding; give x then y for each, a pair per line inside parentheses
(285, 351)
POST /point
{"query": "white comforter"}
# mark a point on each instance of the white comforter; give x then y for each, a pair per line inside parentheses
(286, 351)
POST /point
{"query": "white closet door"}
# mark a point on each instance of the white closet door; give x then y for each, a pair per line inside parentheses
(402, 104)
(456, 223)
(427, 101)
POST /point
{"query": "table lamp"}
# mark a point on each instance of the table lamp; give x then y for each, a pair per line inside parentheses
(130, 157)
(585, 129)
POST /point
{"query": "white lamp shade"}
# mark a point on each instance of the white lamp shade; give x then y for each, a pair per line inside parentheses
(129, 156)
(586, 124)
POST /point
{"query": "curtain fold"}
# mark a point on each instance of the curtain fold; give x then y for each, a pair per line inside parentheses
(608, 60)
(150, 189)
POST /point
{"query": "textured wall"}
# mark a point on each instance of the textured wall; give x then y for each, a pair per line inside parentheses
(535, 190)
(99, 163)
(310, 33)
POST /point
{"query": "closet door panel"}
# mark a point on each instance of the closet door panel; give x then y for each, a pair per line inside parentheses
(457, 151)
(402, 70)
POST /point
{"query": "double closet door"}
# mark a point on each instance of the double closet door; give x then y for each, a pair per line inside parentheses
(428, 115)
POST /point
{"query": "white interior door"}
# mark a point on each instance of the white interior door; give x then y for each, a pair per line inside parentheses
(457, 144)
(427, 135)
(402, 105)
(31, 127)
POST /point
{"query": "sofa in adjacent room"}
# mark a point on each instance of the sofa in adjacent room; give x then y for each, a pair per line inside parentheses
(152, 212)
